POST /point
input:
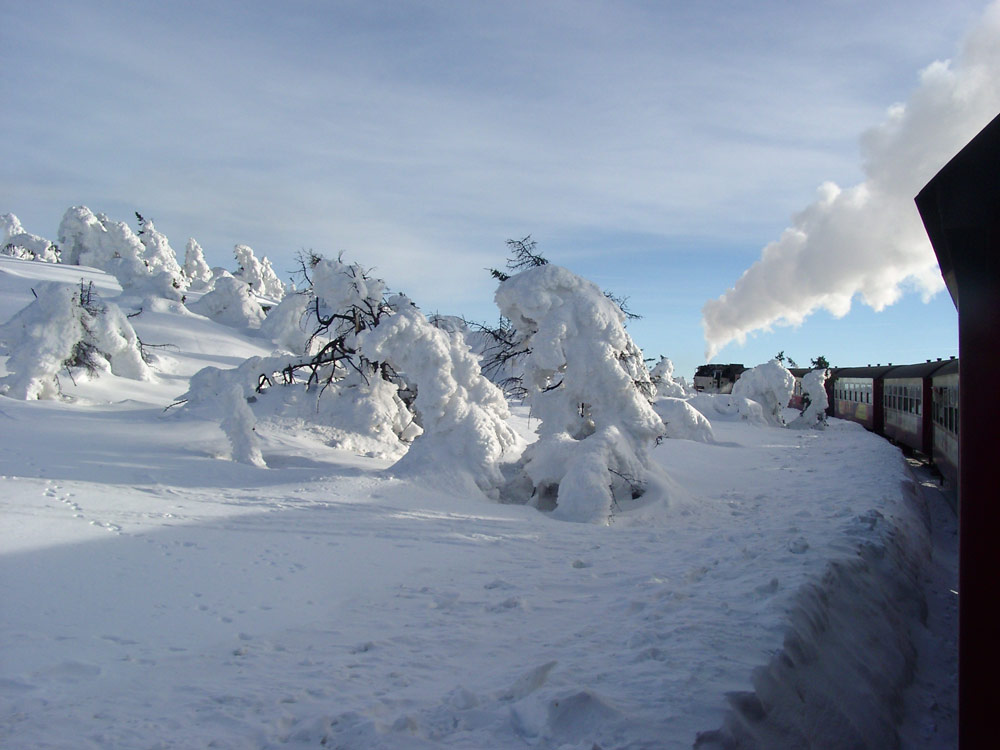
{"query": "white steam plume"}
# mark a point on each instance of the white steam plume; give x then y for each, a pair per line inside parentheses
(869, 239)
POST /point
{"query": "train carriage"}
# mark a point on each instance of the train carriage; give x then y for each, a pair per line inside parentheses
(907, 403)
(944, 418)
(857, 395)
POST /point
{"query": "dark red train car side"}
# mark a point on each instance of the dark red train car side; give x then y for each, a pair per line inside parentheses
(795, 402)
(945, 419)
(857, 395)
(908, 407)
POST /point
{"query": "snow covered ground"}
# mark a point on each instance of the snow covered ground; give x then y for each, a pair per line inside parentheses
(158, 595)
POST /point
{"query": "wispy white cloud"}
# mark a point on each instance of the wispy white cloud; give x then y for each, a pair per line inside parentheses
(868, 240)
(424, 133)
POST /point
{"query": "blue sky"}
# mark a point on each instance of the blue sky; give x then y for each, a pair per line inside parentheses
(654, 148)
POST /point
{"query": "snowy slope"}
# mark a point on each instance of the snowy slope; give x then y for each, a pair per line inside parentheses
(157, 595)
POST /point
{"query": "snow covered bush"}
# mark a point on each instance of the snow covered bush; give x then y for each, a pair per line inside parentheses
(662, 376)
(287, 324)
(20, 244)
(230, 303)
(682, 421)
(586, 382)
(726, 407)
(157, 254)
(461, 412)
(258, 274)
(67, 328)
(814, 399)
(770, 385)
(88, 239)
(196, 270)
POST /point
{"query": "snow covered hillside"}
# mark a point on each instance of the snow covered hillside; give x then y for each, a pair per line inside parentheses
(769, 589)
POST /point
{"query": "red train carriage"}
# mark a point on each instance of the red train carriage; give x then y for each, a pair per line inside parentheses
(857, 395)
(907, 401)
(944, 419)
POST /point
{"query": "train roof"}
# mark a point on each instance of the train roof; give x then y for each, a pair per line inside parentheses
(800, 371)
(922, 370)
(862, 372)
(950, 368)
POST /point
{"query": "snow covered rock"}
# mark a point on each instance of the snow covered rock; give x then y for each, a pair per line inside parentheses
(770, 385)
(597, 424)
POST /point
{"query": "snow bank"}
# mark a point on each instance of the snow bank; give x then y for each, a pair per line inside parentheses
(849, 653)
(770, 385)
(584, 377)
(463, 415)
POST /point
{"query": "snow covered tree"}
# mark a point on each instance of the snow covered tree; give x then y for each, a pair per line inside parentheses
(662, 377)
(20, 244)
(258, 274)
(158, 256)
(462, 414)
(196, 269)
(89, 239)
(583, 383)
(770, 385)
(67, 328)
(814, 399)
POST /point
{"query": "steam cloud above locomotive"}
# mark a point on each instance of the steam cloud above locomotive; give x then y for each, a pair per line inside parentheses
(868, 239)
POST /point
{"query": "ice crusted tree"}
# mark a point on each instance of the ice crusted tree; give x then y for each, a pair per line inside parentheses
(587, 383)
(462, 414)
(89, 239)
(72, 329)
(662, 377)
(158, 256)
(20, 244)
(258, 274)
(814, 400)
(196, 269)
(770, 385)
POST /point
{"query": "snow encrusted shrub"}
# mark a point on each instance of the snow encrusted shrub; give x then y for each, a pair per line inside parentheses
(726, 407)
(20, 244)
(88, 239)
(662, 376)
(586, 382)
(815, 401)
(258, 273)
(230, 303)
(67, 328)
(461, 412)
(682, 421)
(770, 385)
(287, 324)
(196, 270)
(158, 256)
